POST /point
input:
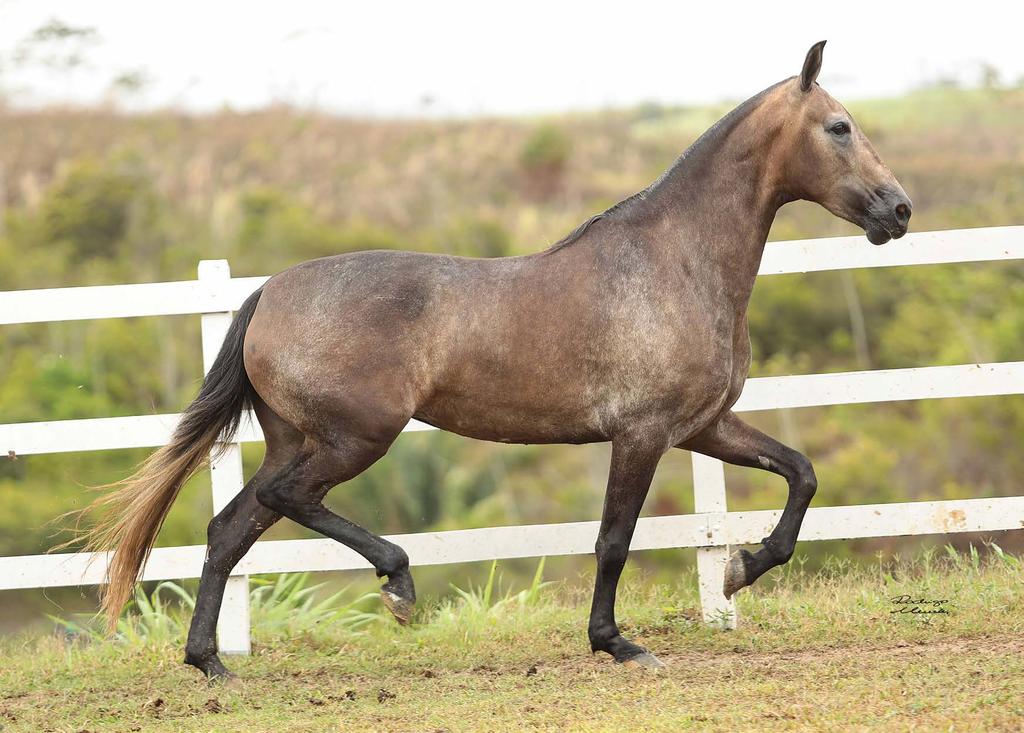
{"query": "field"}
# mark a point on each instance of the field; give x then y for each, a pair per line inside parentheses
(814, 651)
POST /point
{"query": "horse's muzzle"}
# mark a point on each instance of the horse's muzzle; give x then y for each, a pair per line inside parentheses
(888, 215)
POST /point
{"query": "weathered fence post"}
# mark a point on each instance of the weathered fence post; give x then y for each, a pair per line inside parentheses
(709, 501)
(226, 475)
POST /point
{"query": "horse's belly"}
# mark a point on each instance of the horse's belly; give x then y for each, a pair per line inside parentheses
(504, 420)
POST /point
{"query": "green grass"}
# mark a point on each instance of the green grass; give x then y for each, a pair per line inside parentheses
(817, 651)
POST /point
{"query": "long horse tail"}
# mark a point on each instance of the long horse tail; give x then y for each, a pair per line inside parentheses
(132, 514)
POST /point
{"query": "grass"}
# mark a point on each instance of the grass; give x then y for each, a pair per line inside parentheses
(814, 651)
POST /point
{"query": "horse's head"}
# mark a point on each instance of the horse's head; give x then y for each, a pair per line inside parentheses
(830, 161)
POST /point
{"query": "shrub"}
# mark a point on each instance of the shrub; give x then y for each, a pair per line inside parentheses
(94, 206)
(544, 157)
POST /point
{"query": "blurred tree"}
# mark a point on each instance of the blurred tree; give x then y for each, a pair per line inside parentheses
(475, 237)
(128, 84)
(989, 76)
(282, 232)
(56, 45)
(544, 157)
(94, 207)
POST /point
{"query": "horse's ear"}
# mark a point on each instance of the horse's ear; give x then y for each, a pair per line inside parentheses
(812, 65)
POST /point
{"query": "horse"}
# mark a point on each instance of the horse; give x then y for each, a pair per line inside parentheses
(632, 329)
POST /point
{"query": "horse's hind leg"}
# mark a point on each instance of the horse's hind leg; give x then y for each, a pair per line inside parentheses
(732, 440)
(298, 494)
(230, 535)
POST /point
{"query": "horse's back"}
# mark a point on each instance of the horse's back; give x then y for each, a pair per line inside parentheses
(368, 330)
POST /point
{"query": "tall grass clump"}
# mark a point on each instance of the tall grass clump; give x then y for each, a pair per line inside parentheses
(283, 606)
(288, 606)
(478, 608)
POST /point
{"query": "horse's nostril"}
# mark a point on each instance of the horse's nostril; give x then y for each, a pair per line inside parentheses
(903, 213)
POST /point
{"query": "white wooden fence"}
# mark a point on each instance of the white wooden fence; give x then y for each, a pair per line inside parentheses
(712, 529)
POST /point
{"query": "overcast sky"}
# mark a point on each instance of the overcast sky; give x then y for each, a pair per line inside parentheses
(469, 58)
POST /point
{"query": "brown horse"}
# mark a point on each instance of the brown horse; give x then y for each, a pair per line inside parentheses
(632, 330)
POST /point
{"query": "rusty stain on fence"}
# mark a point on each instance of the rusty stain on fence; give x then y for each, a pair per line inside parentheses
(953, 520)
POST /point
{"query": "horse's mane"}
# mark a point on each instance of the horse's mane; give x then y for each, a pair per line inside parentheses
(707, 140)
(579, 231)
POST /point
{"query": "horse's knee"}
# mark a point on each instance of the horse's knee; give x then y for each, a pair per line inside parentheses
(804, 483)
(611, 551)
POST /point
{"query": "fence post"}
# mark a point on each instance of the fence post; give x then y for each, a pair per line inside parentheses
(709, 500)
(226, 477)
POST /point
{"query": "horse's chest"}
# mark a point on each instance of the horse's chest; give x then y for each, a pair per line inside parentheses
(674, 373)
(704, 380)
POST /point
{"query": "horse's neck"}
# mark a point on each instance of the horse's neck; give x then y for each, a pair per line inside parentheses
(720, 204)
(708, 216)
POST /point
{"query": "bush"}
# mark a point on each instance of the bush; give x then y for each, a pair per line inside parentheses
(544, 157)
(547, 147)
(285, 232)
(94, 207)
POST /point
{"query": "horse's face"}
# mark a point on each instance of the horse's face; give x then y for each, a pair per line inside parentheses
(830, 161)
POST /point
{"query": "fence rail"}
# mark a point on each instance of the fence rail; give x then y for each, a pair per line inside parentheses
(538, 540)
(760, 393)
(712, 529)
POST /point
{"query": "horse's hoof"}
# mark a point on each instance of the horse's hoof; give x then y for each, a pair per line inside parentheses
(401, 608)
(644, 660)
(735, 573)
(213, 668)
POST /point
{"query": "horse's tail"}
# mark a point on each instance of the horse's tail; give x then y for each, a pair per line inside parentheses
(132, 515)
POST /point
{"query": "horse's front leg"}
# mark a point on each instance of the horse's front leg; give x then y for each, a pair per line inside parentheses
(731, 440)
(634, 459)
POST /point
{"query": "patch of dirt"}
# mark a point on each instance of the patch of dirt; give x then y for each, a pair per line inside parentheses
(694, 660)
(897, 649)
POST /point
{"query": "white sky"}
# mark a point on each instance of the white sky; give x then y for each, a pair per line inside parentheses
(481, 57)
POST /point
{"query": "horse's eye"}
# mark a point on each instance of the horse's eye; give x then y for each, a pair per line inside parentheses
(840, 128)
